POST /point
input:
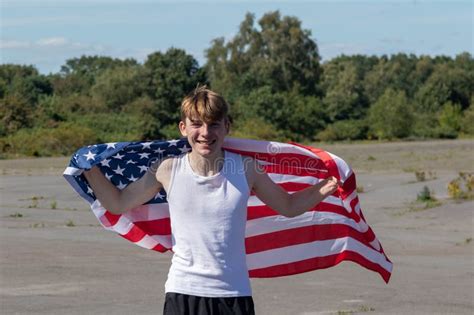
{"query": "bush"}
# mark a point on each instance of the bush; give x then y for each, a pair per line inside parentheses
(344, 130)
(390, 117)
(467, 121)
(256, 128)
(63, 140)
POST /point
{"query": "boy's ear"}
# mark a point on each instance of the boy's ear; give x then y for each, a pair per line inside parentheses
(182, 128)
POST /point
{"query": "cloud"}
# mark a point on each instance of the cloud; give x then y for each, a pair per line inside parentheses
(13, 44)
(52, 42)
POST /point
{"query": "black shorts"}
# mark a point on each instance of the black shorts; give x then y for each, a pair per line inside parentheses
(183, 304)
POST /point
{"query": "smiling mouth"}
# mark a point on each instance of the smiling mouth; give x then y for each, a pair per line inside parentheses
(206, 142)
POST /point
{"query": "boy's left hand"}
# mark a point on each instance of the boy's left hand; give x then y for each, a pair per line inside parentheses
(329, 185)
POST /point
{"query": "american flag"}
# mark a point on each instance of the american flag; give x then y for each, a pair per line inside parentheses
(333, 231)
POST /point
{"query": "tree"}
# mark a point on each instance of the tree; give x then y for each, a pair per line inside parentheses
(118, 86)
(390, 117)
(170, 76)
(450, 120)
(344, 96)
(15, 113)
(295, 116)
(446, 83)
(78, 75)
(279, 54)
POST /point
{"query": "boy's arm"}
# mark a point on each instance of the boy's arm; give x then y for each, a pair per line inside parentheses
(118, 201)
(289, 205)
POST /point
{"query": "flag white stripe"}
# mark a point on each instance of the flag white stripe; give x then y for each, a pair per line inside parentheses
(278, 223)
(72, 171)
(268, 147)
(285, 178)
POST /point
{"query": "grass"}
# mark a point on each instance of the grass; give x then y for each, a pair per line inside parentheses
(53, 204)
(70, 223)
(424, 200)
(16, 215)
(37, 225)
(360, 189)
(360, 309)
(466, 241)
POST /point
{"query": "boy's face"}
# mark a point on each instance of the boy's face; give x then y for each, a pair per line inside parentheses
(205, 139)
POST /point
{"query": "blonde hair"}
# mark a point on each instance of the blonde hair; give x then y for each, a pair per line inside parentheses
(205, 105)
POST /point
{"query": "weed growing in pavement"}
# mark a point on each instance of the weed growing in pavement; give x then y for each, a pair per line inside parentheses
(425, 195)
(424, 200)
(54, 204)
(360, 189)
(422, 176)
(371, 158)
(16, 215)
(70, 223)
(466, 241)
(462, 187)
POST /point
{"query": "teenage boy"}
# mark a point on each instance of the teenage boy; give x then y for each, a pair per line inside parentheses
(207, 191)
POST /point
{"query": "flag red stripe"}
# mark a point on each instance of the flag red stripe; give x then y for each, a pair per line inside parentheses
(302, 235)
(155, 227)
(289, 187)
(318, 263)
(304, 161)
(135, 234)
(256, 212)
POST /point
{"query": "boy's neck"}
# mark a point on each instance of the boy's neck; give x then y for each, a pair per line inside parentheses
(206, 166)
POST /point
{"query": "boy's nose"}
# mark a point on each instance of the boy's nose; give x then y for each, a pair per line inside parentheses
(204, 129)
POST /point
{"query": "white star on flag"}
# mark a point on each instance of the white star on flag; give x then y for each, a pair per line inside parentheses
(143, 168)
(109, 177)
(143, 155)
(132, 178)
(119, 170)
(105, 162)
(121, 186)
(184, 149)
(159, 195)
(90, 156)
(118, 156)
(131, 162)
(159, 151)
(173, 142)
(111, 145)
(146, 145)
(89, 190)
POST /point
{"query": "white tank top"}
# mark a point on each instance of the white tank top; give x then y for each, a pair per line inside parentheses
(208, 216)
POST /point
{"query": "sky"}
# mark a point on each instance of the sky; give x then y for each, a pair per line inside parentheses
(45, 33)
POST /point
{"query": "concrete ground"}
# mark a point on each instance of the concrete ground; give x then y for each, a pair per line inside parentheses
(56, 259)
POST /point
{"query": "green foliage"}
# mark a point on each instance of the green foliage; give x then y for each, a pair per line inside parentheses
(467, 122)
(344, 130)
(277, 53)
(256, 128)
(119, 86)
(63, 140)
(425, 195)
(297, 117)
(15, 113)
(270, 72)
(344, 95)
(449, 119)
(390, 117)
(171, 76)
